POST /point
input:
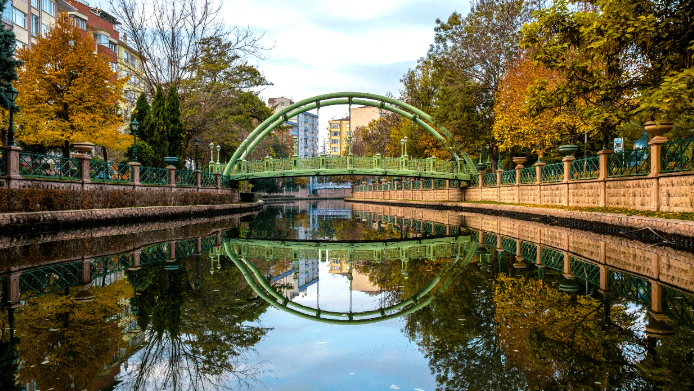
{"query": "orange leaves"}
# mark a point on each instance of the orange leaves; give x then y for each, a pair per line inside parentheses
(67, 91)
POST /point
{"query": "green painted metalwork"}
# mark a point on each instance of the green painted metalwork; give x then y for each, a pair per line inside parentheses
(110, 172)
(553, 172)
(553, 259)
(153, 254)
(629, 163)
(439, 184)
(104, 266)
(508, 177)
(508, 244)
(489, 179)
(49, 279)
(407, 185)
(588, 168)
(398, 185)
(207, 180)
(185, 178)
(630, 287)
(453, 184)
(474, 180)
(3, 163)
(44, 166)
(677, 155)
(225, 182)
(440, 229)
(528, 175)
(678, 305)
(427, 184)
(186, 247)
(427, 227)
(208, 243)
(529, 251)
(154, 176)
(489, 240)
(584, 270)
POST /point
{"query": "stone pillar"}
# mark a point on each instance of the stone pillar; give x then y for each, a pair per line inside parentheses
(135, 167)
(172, 176)
(198, 179)
(136, 260)
(218, 182)
(655, 266)
(85, 161)
(603, 175)
(567, 265)
(11, 155)
(498, 185)
(519, 167)
(656, 145)
(172, 250)
(567, 177)
(11, 294)
(538, 181)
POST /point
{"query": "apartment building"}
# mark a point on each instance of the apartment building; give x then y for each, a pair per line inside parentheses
(304, 126)
(362, 116)
(338, 131)
(30, 18)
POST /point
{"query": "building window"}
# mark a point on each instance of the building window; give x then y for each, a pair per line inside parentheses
(101, 39)
(19, 45)
(45, 29)
(49, 7)
(35, 4)
(7, 15)
(81, 23)
(35, 25)
(334, 141)
(347, 125)
(335, 126)
(113, 46)
(335, 134)
(19, 18)
(335, 149)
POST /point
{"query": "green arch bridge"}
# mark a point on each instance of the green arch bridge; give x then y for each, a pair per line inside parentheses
(460, 167)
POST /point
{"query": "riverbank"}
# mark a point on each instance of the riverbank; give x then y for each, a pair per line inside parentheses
(678, 230)
(34, 222)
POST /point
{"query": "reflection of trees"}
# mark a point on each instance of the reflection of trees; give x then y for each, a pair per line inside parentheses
(66, 344)
(195, 338)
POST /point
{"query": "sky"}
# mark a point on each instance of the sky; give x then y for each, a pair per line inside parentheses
(324, 46)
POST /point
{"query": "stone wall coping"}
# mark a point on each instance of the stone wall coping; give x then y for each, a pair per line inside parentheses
(9, 220)
(684, 228)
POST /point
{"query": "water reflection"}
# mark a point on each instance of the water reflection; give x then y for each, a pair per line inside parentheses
(488, 302)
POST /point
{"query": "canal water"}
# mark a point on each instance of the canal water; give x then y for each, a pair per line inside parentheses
(329, 295)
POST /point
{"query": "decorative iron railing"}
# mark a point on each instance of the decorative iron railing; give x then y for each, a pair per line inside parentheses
(553, 172)
(439, 184)
(508, 244)
(363, 163)
(508, 177)
(154, 176)
(588, 168)
(529, 251)
(474, 180)
(677, 155)
(489, 179)
(407, 185)
(427, 183)
(552, 259)
(417, 185)
(44, 166)
(185, 178)
(3, 163)
(629, 163)
(110, 172)
(453, 184)
(207, 180)
(528, 175)
(630, 287)
(585, 270)
(335, 162)
(391, 163)
(225, 182)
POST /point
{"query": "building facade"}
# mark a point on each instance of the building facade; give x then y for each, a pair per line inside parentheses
(304, 126)
(338, 131)
(362, 116)
(30, 18)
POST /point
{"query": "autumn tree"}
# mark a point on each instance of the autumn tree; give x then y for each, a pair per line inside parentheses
(515, 125)
(8, 65)
(68, 93)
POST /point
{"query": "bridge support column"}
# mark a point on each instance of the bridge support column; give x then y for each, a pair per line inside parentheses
(10, 295)
(136, 260)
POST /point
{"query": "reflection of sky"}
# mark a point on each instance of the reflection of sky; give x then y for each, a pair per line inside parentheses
(306, 355)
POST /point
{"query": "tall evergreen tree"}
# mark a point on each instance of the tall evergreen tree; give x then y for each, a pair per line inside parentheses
(140, 114)
(157, 129)
(173, 123)
(8, 64)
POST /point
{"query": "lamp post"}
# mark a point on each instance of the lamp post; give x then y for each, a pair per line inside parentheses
(11, 95)
(133, 129)
(197, 145)
(349, 144)
(604, 102)
(402, 147)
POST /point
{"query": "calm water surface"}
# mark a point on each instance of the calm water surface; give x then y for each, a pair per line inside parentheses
(335, 296)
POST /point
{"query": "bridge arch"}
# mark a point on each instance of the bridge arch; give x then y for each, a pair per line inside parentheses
(439, 132)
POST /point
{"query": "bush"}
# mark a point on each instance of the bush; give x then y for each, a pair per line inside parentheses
(145, 153)
(249, 197)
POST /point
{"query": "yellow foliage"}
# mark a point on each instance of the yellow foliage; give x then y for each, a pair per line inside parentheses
(67, 92)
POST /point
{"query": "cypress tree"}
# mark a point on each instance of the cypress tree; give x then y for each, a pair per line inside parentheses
(8, 64)
(140, 115)
(157, 129)
(173, 123)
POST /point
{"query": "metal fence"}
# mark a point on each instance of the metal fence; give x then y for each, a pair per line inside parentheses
(629, 163)
(553, 172)
(588, 168)
(44, 166)
(677, 155)
(110, 172)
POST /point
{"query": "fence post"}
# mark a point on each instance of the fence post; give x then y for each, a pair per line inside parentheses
(11, 163)
(135, 167)
(656, 145)
(198, 179)
(602, 176)
(85, 161)
(172, 175)
(519, 167)
(538, 181)
(567, 177)
(498, 185)
(218, 181)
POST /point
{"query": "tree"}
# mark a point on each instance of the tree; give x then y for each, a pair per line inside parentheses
(172, 35)
(140, 114)
(8, 66)
(515, 125)
(156, 128)
(67, 92)
(145, 154)
(172, 117)
(620, 59)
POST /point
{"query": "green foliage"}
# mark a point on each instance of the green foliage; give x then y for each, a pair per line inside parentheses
(156, 128)
(145, 154)
(140, 115)
(174, 127)
(8, 64)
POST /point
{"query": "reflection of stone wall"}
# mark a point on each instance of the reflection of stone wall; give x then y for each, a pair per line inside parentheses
(584, 247)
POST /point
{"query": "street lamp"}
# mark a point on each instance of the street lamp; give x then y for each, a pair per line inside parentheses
(197, 145)
(11, 95)
(133, 128)
(349, 144)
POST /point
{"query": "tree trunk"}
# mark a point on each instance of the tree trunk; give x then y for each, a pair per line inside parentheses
(105, 154)
(66, 149)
